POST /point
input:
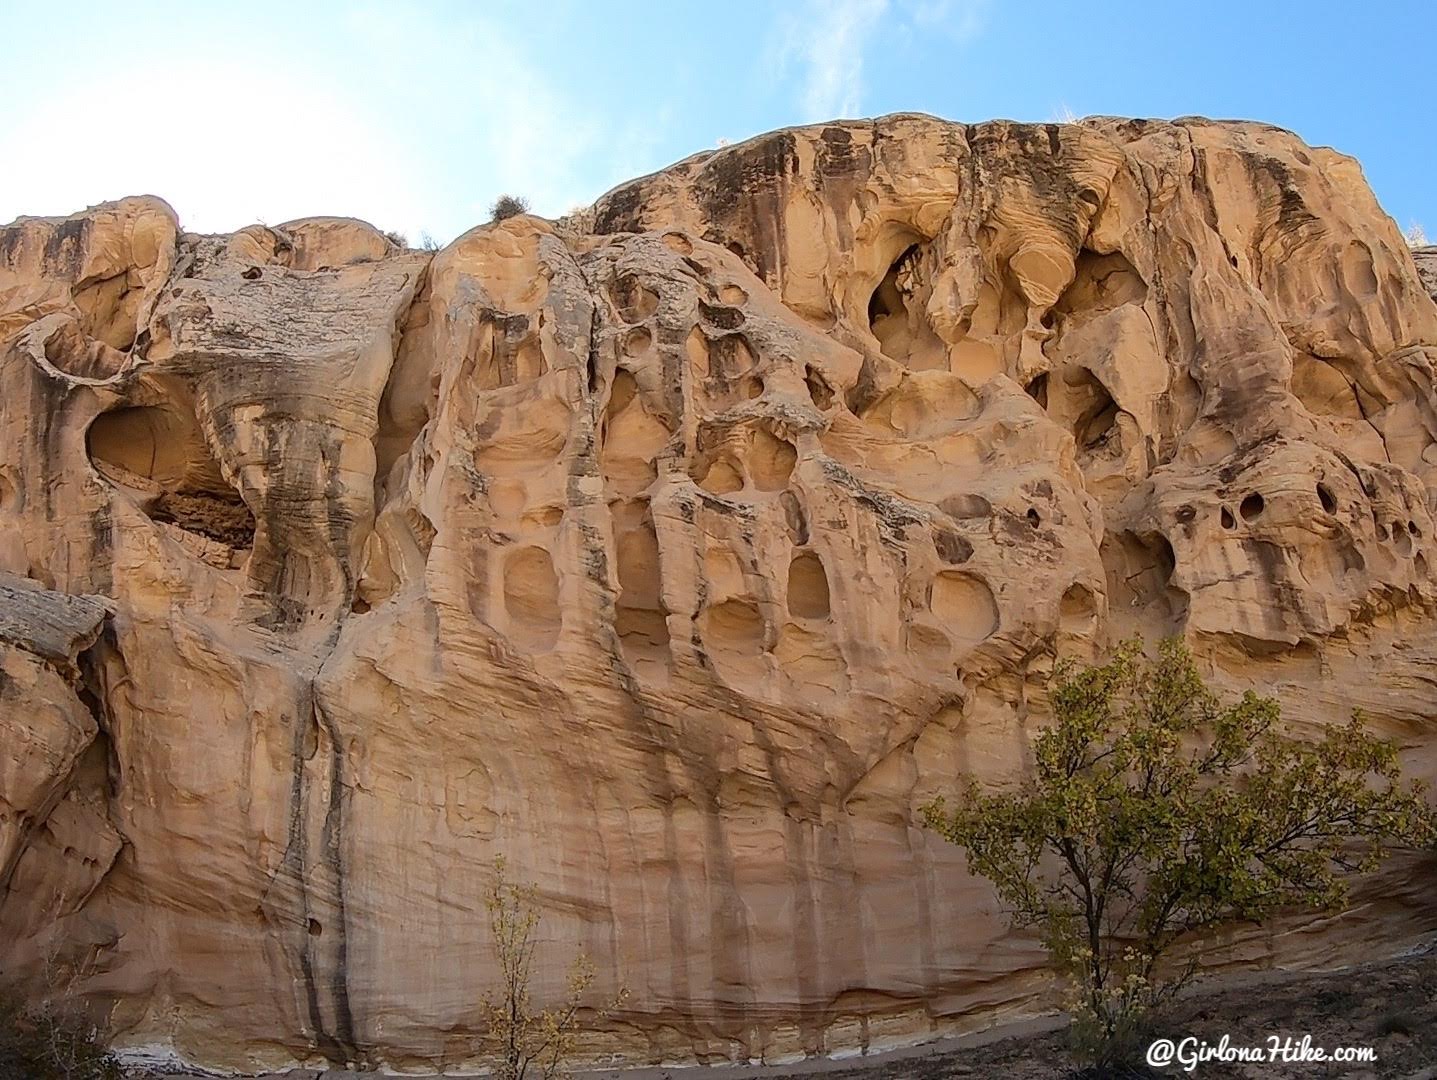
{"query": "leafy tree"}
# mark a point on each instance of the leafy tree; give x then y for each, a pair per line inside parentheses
(507, 206)
(1156, 813)
(526, 1042)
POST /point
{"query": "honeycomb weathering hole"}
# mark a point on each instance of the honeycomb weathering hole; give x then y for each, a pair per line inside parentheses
(730, 356)
(721, 478)
(159, 453)
(1251, 507)
(952, 548)
(145, 441)
(771, 461)
(794, 518)
(965, 507)
(632, 438)
(638, 342)
(1324, 496)
(679, 243)
(721, 316)
(807, 587)
(818, 389)
(70, 351)
(633, 300)
(1101, 283)
(531, 598)
(897, 315)
(887, 300)
(1077, 603)
(1401, 540)
(734, 626)
(964, 606)
(640, 619)
(504, 350)
(1098, 421)
(1078, 611)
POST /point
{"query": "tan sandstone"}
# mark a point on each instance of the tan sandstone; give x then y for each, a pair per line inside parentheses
(679, 551)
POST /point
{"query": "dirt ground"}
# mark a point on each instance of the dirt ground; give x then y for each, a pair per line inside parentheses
(1390, 1007)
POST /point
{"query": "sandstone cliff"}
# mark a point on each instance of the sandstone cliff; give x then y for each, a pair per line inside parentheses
(678, 551)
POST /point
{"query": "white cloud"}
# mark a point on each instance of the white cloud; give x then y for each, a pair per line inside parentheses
(490, 119)
(833, 38)
(226, 143)
(960, 20)
(410, 118)
(828, 42)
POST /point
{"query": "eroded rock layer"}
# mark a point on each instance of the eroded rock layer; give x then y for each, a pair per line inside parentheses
(677, 551)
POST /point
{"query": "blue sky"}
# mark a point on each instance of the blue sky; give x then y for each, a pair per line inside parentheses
(415, 116)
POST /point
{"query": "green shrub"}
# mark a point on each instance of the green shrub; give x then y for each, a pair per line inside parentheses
(1155, 814)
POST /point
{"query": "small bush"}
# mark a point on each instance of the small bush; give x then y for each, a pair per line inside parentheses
(52, 1042)
(507, 206)
(398, 239)
(525, 1041)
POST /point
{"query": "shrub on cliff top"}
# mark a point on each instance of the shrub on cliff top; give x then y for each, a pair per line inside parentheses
(507, 206)
(1155, 813)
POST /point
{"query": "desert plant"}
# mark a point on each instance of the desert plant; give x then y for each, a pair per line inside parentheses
(528, 1042)
(1416, 236)
(507, 206)
(52, 1041)
(398, 239)
(1155, 813)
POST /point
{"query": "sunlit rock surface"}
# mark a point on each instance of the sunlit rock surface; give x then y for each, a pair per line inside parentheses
(679, 551)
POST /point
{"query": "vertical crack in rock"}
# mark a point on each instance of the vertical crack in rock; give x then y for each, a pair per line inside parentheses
(322, 927)
(48, 716)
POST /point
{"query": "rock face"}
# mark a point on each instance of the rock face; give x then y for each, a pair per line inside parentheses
(678, 551)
